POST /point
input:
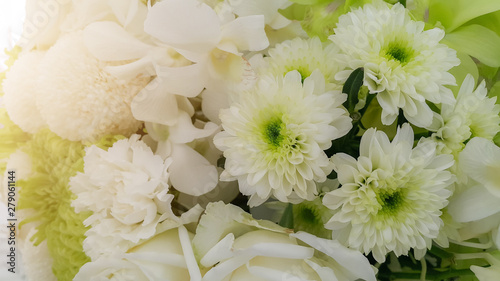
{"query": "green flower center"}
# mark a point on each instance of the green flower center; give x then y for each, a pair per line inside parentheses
(273, 131)
(399, 52)
(309, 216)
(390, 201)
(304, 71)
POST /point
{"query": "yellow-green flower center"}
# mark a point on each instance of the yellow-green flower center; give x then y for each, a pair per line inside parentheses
(399, 51)
(273, 131)
(391, 201)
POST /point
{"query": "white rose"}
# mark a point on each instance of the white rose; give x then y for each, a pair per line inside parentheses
(166, 256)
(234, 246)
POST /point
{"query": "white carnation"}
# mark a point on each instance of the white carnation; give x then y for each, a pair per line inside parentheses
(126, 189)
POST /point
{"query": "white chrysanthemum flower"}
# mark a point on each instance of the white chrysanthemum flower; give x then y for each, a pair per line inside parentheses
(303, 55)
(166, 256)
(233, 246)
(473, 115)
(78, 98)
(391, 196)
(126, 189)
(20, 87)
(275, 136)
(405, 65)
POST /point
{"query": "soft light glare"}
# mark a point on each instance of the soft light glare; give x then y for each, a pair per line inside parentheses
(11, 26)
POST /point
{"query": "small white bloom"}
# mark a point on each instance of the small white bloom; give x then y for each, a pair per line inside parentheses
(391, 196)
(233, 246)
(473, 115)
(166, 256)
(403, 64)
(275, 135)
(303, 55)
(126, 189)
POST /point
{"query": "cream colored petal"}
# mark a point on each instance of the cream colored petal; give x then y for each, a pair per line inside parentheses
(184, 24)
(108, 41)
(190, 172)
(155, 104)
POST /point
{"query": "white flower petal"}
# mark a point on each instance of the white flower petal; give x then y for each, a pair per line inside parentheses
(154, 104)
(187, 249)
(221, 251)
(109, 41)
(124, 10)
(247, 33)
(184, 24)
(480, 161)
(184, 131)
(186, 81)
(351, 260)
(473, 204)
(190, 172)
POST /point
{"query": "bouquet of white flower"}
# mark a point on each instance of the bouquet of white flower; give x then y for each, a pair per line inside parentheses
(233, 140)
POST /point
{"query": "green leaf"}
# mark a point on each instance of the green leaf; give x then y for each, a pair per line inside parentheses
(295, 12)
(351, 88)
(476, 41)
(454, 13)
(495, 92)
(491, 21)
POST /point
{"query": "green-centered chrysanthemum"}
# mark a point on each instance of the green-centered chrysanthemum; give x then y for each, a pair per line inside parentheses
(46, 193)
(391, 196)
(472, 115)
(403, 64)
(275, 135)
(303, 55)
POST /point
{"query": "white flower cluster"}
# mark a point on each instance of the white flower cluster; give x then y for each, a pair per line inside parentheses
(353, 133)
(126, 188)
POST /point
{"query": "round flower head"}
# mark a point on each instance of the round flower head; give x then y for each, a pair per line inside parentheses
(20, 87)
(391, 197)
(275, 135)
(405, 65)
(126, 189)
(78, 98)
(473, 115)
(303, 55)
